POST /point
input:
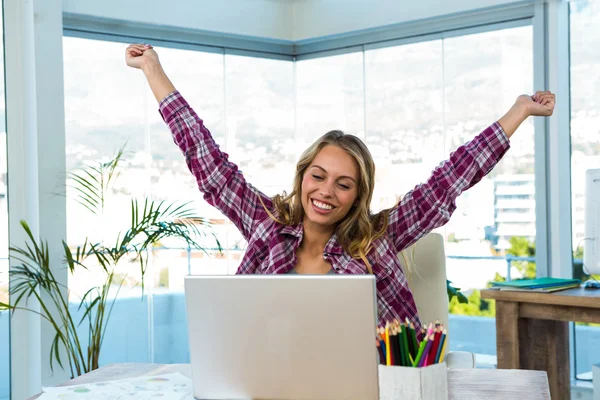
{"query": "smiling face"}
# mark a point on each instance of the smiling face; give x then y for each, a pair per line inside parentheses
(329, 187)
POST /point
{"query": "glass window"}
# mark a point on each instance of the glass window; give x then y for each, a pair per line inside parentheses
(105, 110)
(260, 116)
(585, 151)
(329, 95)
(4, 320)
(423, 100)
(251, 118)
(481, 82)
(404, 106)
(483, 75)
(413, 104)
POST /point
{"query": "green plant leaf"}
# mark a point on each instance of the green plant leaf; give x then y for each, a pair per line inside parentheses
(455, 292)
(32, 277)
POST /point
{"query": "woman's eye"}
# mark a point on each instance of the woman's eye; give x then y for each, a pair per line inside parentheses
(345, 187)
(317, 177)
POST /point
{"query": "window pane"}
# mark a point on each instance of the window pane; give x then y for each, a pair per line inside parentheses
(483, 75)
(199, 77)
(329, 95)
(585, 151)
(496, 216)
(404, 116)
(260, 129)
(260, 120)
(424, 100)
(4, 320)
(105, 110)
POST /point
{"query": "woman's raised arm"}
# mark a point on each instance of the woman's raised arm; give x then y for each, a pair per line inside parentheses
(430, 204)
(220, 180)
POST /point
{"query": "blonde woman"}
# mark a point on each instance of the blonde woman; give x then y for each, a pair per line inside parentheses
(324, 225)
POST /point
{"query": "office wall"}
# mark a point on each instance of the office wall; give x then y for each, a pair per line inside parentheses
(276, 19)
(313, 18)
(263, 18)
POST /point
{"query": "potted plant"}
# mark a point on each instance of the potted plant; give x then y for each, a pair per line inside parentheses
(33, 277)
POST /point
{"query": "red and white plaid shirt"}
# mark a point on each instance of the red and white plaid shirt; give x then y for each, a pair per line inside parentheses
(272, 246)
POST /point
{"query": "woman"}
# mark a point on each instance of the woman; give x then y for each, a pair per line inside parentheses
(324, 225)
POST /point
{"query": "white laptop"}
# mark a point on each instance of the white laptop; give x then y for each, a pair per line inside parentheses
(282, 337)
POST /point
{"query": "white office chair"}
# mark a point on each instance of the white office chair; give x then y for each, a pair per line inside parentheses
(426, 274)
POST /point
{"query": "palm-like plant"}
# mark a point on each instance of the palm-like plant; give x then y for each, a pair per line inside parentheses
(151, 221)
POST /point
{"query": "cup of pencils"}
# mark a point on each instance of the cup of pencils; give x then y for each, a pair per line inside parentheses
(411, 364)
(398, 344)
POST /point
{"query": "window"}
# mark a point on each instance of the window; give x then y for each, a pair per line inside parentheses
(329, 95)
(404, 106)
(413, 104)
(105, 111)
(585, 150)
(251, 118)
(423, 100)
(259, 104)
(483, 75)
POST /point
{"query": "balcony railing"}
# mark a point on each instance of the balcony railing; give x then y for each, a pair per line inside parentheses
(509, 259)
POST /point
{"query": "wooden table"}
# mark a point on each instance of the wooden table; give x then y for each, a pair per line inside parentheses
(466, 384)
(532, 330)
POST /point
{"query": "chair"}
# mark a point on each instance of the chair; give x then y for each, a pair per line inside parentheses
(426, 274)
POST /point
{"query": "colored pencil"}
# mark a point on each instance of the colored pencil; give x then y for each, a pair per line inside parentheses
(434, 347)
(443, 351)
(388, 353)
(380, 351)
(423, 360)
(394, 346)
(405, 344)
(439, 352)
(415, 344)
(401, 354)
(381, 335)
(408, 336)
(420, 353)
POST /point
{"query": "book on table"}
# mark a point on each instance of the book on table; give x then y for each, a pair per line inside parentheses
(538, 285)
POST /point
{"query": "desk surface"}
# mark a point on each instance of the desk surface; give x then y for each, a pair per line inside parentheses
(572, 297)
(466, 384)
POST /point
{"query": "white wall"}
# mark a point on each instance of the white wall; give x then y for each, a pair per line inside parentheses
(276, 19)
(264, 18)
(313, 18)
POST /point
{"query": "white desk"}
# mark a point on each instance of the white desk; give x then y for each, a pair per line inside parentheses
(466, 384)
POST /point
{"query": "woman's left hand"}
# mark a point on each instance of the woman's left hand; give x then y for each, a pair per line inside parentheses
(541, 104)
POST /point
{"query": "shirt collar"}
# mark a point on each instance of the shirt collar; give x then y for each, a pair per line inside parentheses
(293, 230)
(332, 246)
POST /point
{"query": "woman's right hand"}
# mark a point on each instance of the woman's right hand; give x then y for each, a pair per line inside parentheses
(140, 56)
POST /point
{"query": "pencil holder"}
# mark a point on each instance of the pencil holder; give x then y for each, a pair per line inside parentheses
(426, 383)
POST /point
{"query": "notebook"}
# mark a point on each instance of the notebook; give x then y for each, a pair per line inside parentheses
(546, 284)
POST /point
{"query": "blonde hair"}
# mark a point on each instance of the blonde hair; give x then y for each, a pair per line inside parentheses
(358, 230)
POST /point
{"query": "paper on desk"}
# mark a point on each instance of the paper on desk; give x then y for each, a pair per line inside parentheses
(166, 387)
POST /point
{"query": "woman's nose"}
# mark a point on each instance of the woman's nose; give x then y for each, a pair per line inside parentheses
(326, 190)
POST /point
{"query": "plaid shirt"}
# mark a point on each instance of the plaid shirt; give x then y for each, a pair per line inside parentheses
(272, 246)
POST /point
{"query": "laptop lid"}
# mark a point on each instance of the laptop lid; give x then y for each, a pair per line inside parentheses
(282, 337)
